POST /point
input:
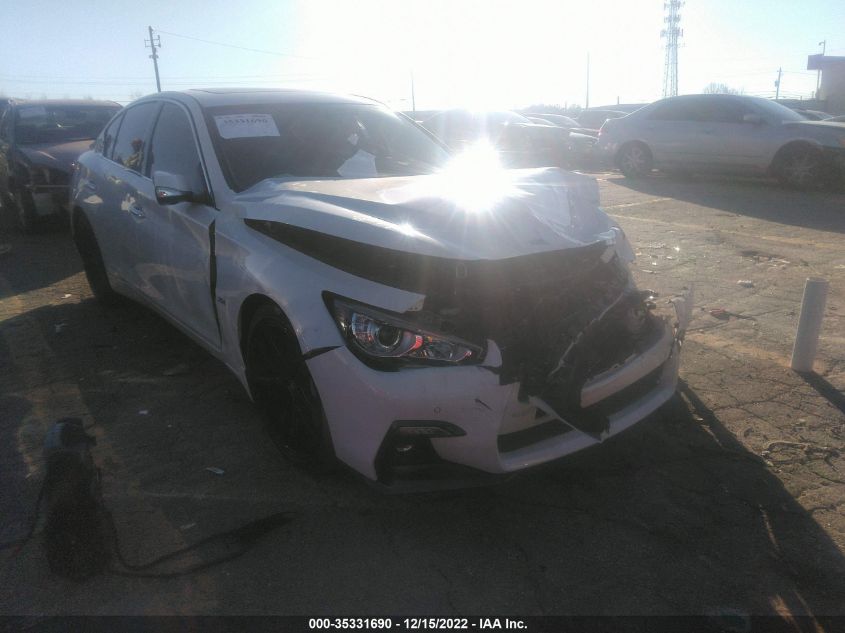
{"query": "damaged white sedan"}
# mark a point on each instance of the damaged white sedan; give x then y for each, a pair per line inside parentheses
(414, 314)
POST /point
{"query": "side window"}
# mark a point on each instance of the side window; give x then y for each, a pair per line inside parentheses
(130, 144)
(173, 149)
(105, 142)
(722, 110)
(675, 110)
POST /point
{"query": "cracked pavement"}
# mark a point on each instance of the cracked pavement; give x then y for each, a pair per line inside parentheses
(729, 500)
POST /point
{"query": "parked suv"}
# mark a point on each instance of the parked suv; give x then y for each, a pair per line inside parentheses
(408, 311)
(39, 144)
(724, 133)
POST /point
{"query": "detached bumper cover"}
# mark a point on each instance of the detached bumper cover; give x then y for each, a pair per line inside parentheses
(361, 405)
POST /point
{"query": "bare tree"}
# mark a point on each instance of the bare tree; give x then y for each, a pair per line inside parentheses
(715, 88)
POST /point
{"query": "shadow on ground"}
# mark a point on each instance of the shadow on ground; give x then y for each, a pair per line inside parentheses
(49, 258)
(672, 517)
(756, 198)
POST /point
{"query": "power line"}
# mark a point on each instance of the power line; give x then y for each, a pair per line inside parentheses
(242, 48)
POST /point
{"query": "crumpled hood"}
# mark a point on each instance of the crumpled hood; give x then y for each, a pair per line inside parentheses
(526, 211)
(55, 156)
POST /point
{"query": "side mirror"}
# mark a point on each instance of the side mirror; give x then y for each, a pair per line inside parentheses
(174, 188)
(755, 119)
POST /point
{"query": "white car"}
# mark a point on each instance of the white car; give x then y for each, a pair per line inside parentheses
(408, 312)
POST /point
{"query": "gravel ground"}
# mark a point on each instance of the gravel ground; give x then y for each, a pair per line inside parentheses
(728, 500)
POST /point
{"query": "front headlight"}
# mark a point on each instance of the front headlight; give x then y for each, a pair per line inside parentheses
(380, 335)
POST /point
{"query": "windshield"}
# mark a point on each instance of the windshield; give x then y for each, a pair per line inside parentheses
(319, 141)
(60, 123)
(775, 110)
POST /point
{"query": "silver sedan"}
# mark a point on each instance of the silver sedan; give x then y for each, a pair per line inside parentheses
(724, 133)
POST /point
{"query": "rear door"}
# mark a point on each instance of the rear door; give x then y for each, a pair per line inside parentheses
(671, 130)
(174, 242)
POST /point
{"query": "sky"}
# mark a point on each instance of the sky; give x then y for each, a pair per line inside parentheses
(471, 53)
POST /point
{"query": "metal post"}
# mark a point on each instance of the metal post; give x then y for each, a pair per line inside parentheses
(809, 324)
(823, 44)
(588, 81)
(777, 84)
(413, 97)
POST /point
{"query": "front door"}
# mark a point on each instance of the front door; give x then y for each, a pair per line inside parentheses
(174, 259)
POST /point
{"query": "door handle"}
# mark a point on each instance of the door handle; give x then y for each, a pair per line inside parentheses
(137, 211)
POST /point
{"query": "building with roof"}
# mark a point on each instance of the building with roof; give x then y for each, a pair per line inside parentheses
(832, 86)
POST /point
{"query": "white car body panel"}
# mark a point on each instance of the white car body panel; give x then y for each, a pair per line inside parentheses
(198, 265)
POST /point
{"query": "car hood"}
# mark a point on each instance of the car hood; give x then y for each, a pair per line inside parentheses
(523, 211)
(55, 156)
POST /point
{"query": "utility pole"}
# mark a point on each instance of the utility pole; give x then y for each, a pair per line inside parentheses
(588, 81)
(671, 33)
(777, 84)
(153, 43)
(823, 44)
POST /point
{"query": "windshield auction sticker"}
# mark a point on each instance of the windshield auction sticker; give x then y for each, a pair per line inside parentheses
(246, 125)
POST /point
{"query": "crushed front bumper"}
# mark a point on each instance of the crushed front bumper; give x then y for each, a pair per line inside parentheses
(501, 433)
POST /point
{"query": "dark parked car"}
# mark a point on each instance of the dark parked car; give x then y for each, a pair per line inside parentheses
(812, 115)
(520, 142)
(594, 119)
(39, 144)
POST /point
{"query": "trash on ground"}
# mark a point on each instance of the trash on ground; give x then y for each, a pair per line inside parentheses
(745, 283)
(144, 412)
(176, 370)
(59, 327)
(215, 470)
(720, 313)
(187, 526)
(67, 296)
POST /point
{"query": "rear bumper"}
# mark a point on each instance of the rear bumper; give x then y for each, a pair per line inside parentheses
(499, 432)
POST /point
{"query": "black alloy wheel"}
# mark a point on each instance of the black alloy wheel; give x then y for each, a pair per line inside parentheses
(284, 390)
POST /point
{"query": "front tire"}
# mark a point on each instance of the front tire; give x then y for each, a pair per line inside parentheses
(635, 160)
(92, 261)
(282, 387)
(801, 168)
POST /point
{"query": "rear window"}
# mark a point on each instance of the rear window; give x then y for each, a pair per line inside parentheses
(39, 123)
(264, 141)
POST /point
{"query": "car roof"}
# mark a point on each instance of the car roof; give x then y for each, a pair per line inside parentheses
(214, 97)
(62, 102)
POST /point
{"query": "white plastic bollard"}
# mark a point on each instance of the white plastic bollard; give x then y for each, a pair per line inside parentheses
(809, 324)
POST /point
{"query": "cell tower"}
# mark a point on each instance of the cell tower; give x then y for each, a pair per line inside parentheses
(671, 33)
